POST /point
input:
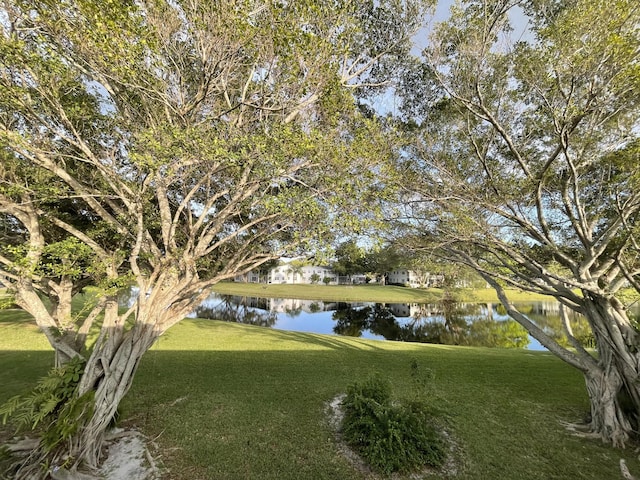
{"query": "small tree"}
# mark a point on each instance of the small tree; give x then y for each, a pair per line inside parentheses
(295, 270)
(380, 260)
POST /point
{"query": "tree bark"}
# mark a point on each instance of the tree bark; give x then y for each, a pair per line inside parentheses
(608, 418)
(108, 376)
(109, 373)
(611, 376)
(613, 388)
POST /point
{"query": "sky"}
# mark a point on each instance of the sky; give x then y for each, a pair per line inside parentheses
(387, 103)
(518, 20)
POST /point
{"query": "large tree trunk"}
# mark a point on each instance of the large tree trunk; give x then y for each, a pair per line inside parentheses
(109, 374)
(107, 377)
(109, 370)
(609, 419)
(611, 375)
(613, 386)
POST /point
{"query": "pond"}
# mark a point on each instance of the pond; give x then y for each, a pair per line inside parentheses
(449, 322)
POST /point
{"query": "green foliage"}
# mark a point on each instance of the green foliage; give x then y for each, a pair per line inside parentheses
(68, 257)
(373, 388)
(390, 436)
(7, 301)
(114, 286)
(53, 403)
(19, 255)
(349, 259)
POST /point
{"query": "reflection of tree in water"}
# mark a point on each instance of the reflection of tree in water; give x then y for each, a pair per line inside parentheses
(455, 323)
(458, 324)
(492, 333)
(232, 309)
(350, 321)
(293, 312)
(448, 322)
(315, 307)
(382, 322)
(549, 320)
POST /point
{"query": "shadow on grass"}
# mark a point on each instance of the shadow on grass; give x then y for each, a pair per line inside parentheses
(21, 369)
(15, 317)
(290, 338)
(257, 411)
(228, 412)
(328, 341)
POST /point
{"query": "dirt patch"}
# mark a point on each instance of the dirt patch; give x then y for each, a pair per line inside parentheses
(127, 457)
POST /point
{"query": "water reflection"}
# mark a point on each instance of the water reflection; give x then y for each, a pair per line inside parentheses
(228, 309)
(446, 322)
(450, 324)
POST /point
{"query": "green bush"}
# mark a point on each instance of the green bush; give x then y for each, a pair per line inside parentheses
(53, 403)
(391, 437)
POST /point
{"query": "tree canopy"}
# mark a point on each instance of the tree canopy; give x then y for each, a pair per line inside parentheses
(168, 145)
(525, 168)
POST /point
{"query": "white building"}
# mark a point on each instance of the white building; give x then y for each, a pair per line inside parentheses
(414, 279)
(251, 277)
(403, 277)
(289, 272)
(286, 273)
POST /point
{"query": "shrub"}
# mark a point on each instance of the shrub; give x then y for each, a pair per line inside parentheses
(391, 437)
(53, 403)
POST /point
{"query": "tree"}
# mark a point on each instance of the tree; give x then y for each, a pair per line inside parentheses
(350, 321)
(238, 310)
(265, 268)
(294, 270)
(169, 145)
(429, 269)
(380, 260)
(349, 259)
(526, 169)
(453, 324)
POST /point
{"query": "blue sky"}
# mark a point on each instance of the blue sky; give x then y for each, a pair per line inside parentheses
(387, 102)
(518, 21)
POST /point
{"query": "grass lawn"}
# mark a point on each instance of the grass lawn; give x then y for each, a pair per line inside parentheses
(365, 293)
(231, 401)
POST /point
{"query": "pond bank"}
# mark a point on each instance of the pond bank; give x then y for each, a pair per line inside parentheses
(367, 293)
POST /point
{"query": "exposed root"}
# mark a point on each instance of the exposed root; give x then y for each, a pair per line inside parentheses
(625, 471)
(24, 445)
(64, 474)
(582, 430)
(127, 458)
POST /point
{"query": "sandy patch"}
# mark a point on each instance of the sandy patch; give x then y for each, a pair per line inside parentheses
(129, 459)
